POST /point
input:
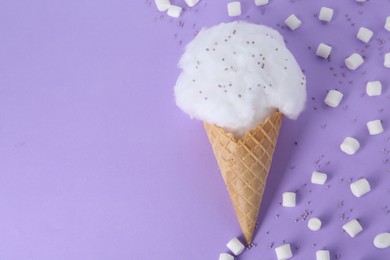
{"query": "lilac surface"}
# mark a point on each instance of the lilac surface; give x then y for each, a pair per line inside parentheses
(97, 162)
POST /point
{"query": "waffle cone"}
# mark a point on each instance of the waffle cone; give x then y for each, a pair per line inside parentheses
(244, 164)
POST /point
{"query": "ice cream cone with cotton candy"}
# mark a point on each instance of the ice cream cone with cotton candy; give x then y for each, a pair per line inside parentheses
(239, 78)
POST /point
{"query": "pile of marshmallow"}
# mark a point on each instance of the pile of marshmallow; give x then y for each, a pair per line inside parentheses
(173, 10)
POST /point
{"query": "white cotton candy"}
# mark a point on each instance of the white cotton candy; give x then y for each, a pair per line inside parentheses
(283, 252)
(350, 145)
(382, 240)
(225, 256)
(236, 74)
(235, 246)
(326, 14)
(289, 199)
(234, 8)
(375, 127)
(293, 22)
(322, 255)
(353, 228)
(374, 88)
(360, 187)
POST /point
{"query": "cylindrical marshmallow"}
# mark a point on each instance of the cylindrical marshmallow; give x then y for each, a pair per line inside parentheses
(382, 240)
(333, 98)
(289, 199)
(326, 14)
(283, 252)
(387, 60)
(322, 255)
(261, 2)
(374, 88)
(314, 224)
(354, 61)
(191, 3)
(162, 5)
(375, 127)
(293, 22)
(364, 34)
(235, 246)
(318, 178)
(360, 187)
(174, 11)
(225, 256)
(234, 8)
(350, 145)
(323, 50)
(353, 228)
(387, 24)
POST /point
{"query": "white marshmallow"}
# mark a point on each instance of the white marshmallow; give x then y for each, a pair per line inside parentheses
(323, 50)
(350, 145)
(322, 255)
(360, 187)
(191, 3)
(374, 88)
(318, 178)
(162, 5)
(382, 240)
(353, 228)
(333, 98)
(354, 61)
(234, 8)
(174, 11)
(235, 246)
(387, 60)
(364, 34)
(387, 24)
(314, 224)
(289, 199)
(375, 127)
(326, 14)
(225, 256)
(283, 252)
(261, 2)
(293, 22)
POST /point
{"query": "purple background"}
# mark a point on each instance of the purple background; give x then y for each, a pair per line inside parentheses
(97, 162)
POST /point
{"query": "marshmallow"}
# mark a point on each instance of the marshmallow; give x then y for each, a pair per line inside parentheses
(364, 34)
(322, 255)
(191, 3)
(174, 11)
(314, 224)
(283, 252)
(382, 240)
(353, 228)
(333, 98)
(225, 256)
(387, 24)
(354, 61)
(318, 178)
(289, 199)
(323, 50)
(162, 5)
(350, 145)
(261, 2)
(293, 22)
(360, 187)
(374, 88)
(326, 14)
(234, 8)
(387, 60)
(375, 127)
(235, 246)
